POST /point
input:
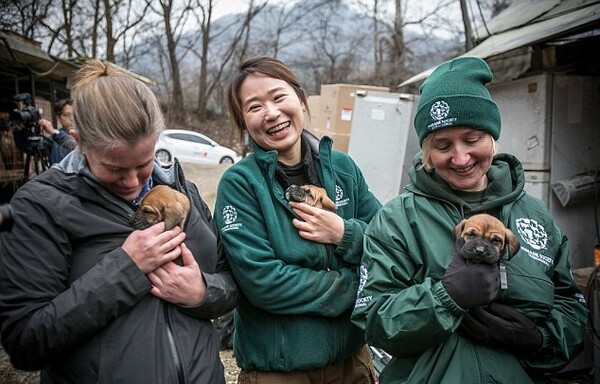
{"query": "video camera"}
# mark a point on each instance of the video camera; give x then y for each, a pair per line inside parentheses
(26, 119)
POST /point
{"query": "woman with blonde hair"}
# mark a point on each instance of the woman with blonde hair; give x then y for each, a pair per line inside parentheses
(445, 319)
(85, 298)
(295, 264)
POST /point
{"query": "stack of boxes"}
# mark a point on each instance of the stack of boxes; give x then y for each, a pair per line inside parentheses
(332, 111)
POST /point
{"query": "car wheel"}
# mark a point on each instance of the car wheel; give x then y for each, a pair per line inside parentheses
(226, 160)
(164, 157)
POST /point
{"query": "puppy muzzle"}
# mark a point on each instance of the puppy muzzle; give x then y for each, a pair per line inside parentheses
(139, 221)
(481, 251)
(296, 193)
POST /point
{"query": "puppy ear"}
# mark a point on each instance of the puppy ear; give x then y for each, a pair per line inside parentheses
(512, 242)
(459, 228)
(174, 215)
(328, 203)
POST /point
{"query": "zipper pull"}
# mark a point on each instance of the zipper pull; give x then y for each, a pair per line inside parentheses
(503, 279)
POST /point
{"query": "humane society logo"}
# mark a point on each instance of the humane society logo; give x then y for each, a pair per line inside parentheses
(439, 112)
(536, 237)
(339, 197)
(363, 276)
(532, 232)
(229, 217)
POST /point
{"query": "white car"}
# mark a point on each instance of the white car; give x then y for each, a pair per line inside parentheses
(191, 147)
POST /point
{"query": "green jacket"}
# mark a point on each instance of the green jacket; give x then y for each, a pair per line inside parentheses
(298, 295)
(405, 310)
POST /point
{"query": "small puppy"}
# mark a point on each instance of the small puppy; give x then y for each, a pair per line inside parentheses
(486, 239)
(161, 203)
(311, 195)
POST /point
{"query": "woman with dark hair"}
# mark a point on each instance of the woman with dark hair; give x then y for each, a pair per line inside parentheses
(59, 139)
(295, 264)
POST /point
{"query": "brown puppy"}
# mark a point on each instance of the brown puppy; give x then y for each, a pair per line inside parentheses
(161, 203)
(311, 195)
(486, 239)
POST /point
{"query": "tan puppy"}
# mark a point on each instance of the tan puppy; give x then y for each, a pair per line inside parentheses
(486, 239)
(161, 203)
(311, 195)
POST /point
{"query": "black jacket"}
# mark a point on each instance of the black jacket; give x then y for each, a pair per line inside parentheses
(75, 305)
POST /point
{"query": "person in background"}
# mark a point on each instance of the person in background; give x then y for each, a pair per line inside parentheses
(296, 265)
(85, 298)
(60, 141)
(443, 320)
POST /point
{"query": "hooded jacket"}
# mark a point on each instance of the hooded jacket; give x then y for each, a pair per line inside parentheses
(297, 295)
(74, 305)
(405, 309)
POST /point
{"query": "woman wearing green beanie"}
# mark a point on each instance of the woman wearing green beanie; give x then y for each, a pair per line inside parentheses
(443, 319)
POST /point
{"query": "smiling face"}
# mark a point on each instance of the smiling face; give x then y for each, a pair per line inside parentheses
(123, 169)
(462, 157)
(274, 115)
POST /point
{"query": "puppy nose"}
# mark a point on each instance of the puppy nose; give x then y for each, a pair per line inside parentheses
(480, 249)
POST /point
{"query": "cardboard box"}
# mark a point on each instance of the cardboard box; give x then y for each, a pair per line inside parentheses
(314, 103)
(333, 110)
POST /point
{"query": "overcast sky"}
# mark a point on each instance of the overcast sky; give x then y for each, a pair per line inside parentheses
(416, 8)
(224, 7)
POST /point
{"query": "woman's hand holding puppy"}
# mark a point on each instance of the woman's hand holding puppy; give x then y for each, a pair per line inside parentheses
(154, 246)
(317, 224)
(154, 250)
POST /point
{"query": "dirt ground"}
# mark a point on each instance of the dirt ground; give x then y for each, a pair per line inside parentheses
(9, 375)
(206, 177)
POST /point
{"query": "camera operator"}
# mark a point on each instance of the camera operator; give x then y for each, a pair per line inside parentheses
(60, 141)
(6, 217)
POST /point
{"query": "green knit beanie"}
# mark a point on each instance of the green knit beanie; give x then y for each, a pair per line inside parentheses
(455, 95)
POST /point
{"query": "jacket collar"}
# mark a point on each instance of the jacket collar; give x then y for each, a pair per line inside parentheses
(506, 184)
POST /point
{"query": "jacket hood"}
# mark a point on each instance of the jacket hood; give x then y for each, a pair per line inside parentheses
(506, 183)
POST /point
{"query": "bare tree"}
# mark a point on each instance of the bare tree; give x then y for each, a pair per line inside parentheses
(391, 47)
(120, 18)
(287, 24)
(377, 51)
(87, 22)
(61, 28)
(335, 47)
(24, 17)
(204, 17)
(174, 20)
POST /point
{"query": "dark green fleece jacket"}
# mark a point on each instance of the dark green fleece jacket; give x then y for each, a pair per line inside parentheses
(405, 310)
(297, 294)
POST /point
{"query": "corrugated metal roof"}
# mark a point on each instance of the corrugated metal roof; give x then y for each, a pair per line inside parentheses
(568, 17)
(17, 50)
(520, 13)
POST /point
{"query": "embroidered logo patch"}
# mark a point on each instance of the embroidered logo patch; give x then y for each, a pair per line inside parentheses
(440, 113)
(339, 193)
(230, 216)
(363, 276)
(532, 233)
(439, 110)
(339, 197)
